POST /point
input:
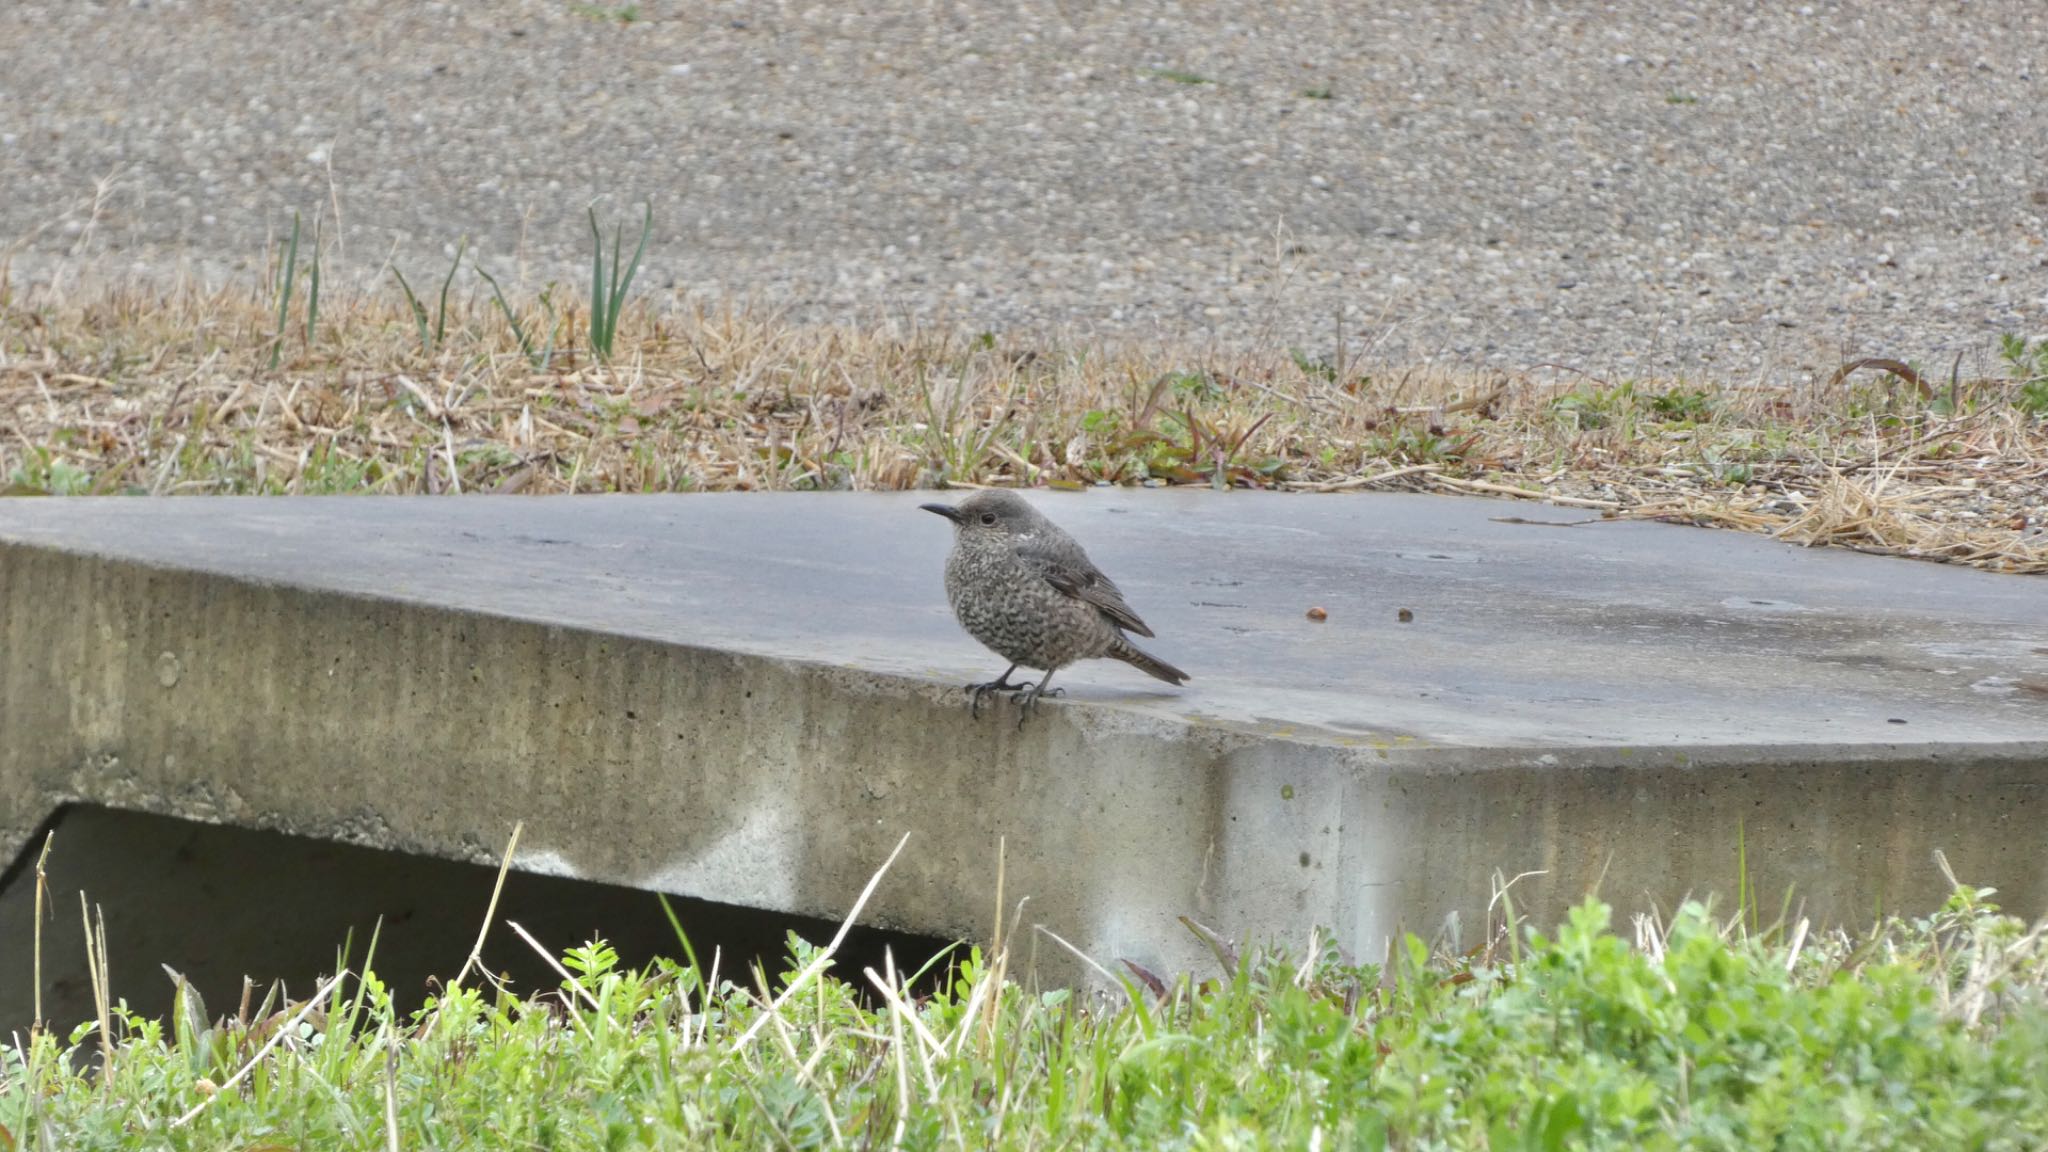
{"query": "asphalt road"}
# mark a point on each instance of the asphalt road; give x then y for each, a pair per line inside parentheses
(1637, 187)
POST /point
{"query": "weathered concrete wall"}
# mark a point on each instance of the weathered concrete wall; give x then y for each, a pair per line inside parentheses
(1848, 832)
(782, 785)
(768, 783)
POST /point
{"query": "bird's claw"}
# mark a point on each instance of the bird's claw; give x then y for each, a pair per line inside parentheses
(1024, 693)
(975, 692)
(1027, 700)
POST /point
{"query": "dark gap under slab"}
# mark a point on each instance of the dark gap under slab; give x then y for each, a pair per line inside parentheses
(218, 903)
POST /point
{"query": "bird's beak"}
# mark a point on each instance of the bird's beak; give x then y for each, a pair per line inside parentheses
(946, 510)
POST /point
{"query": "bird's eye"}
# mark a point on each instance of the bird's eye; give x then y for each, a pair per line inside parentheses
(988, 517)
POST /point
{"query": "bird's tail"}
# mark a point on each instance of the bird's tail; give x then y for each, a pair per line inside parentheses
(1145, 662)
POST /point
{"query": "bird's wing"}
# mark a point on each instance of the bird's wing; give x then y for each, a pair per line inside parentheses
(1068, 569)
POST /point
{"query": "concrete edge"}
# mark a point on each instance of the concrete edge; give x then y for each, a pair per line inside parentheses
(404, 725)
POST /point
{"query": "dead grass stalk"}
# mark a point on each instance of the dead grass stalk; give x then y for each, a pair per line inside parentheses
(167, 389)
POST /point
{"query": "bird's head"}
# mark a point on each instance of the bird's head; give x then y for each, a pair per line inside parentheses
(989, 513)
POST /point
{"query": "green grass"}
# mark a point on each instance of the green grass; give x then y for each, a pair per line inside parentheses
(286, 275)
(1918, 1034)
(609, 283)
(431, 338)
(2029, 363)
(624, 13)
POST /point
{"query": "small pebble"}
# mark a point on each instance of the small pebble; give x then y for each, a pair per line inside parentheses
(1407, 616)
(1318, 614)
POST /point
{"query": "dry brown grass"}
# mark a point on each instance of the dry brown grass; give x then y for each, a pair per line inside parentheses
(167, 390)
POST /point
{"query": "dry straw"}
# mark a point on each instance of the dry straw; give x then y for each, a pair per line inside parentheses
(169, 390)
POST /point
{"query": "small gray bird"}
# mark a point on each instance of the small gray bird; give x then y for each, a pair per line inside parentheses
(1022, 586)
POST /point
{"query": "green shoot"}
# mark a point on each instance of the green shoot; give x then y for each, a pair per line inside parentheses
(313, 289)
(431, 339)
(441, 316)
(538, 359)
(284, 293)
(418, 312)
(609, 284)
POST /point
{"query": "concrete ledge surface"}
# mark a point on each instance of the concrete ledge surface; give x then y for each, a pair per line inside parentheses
(751, 697)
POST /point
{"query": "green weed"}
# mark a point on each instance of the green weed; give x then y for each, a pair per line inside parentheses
(1314, 367)
(542, 357)
(1197, 387)
(2029, 363)
(1408, 439)
(313, 283)
(2033, 399)
(431, 338)
(43, 473)
(1682, 405)
(623, 14)
(1589, 407)
(609, 283)
(289, 273)
(1696, 1032)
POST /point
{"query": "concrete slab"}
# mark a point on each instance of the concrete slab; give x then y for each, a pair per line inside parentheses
(749, 697)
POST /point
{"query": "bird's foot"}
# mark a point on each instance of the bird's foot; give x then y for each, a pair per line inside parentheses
(975, 692)
(1027, 700)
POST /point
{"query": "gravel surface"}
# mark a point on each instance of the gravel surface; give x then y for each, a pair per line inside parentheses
(1633, 187)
